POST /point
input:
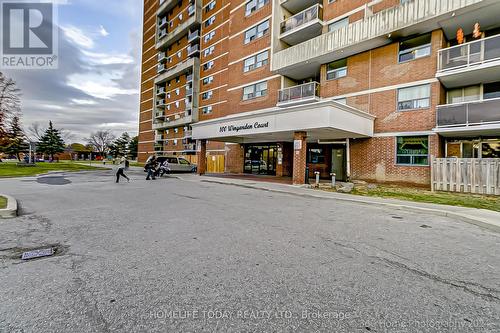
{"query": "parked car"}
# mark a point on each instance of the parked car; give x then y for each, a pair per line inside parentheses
(177, 164)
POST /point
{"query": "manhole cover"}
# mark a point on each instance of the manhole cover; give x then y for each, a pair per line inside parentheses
(37, 254)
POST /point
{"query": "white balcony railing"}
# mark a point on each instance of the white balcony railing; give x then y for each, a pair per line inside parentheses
(299, 93)
(470, 54)
(302, 18)
(469, 113)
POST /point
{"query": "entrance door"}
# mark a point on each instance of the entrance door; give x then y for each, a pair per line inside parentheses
(261, 159)
(339, 162)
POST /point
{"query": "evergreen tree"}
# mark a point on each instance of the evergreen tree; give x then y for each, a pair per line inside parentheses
(16, 142)
(51, 142)
(120, 146)
(133, 147)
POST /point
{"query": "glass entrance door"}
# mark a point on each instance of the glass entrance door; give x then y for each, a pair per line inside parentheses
(261, 159)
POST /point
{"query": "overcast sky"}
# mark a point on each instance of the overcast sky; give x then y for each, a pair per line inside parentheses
(97, 83)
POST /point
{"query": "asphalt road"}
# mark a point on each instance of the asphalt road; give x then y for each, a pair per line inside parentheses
(177, 255)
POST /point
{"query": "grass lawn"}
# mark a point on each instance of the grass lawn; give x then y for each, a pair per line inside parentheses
(424, 195)
(3, 202)
(10, 169)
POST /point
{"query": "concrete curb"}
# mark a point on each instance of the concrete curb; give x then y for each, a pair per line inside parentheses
(486, 223)
(11, 210)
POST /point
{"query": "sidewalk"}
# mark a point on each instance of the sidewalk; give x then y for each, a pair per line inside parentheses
(481, 217)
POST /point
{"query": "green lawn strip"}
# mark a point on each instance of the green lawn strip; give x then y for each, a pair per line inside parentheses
(3, 202)
(423, 195)
(13, 170)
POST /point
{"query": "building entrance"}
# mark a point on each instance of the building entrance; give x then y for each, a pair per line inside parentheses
(261, 159)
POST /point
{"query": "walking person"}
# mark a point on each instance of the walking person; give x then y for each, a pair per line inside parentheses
(121, 172)
(151, 169)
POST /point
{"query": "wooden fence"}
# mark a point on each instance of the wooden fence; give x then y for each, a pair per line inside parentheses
(466, 175)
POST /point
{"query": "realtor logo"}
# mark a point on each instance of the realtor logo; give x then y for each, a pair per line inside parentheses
(29, 35)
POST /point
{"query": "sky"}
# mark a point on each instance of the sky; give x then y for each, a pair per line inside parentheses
(96, 86)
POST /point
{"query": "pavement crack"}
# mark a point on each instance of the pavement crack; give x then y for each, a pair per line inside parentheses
(469, 287)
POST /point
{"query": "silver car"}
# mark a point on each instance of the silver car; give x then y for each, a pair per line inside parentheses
(174, 164)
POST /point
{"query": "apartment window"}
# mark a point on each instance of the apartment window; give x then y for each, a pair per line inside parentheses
(176, 130)
(175, 142)
(254, 5)
(491, 90)
(415, 48)
(207, 95)
(255, 91)
(177, 104)
(209, 36)
(208, 65)
(210, 6)
(463, 95)
(337, 69)
(206, 109)
(208, 80)
(209, 51)
(412, 150)
(256, 32)
(338, 24)
(418, 97)
(256, 61)
(210, 21)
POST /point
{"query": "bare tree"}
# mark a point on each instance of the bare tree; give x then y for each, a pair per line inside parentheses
(10, 102)
(101, 141)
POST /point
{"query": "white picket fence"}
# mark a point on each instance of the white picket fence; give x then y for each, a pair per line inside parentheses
(466, 175)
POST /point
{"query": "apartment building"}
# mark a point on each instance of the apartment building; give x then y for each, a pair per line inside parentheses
(364, 89)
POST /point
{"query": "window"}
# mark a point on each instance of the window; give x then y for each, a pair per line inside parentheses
(210, 21)
(206, 109)
(253, 5)
(209, 36)
(337, 69)
(255, 91)
(462, 95)
(183, 161)
(256, 61)
(210, 6)
(338, 24)
(412, 150)
(209, 51)
(491, 90)
(176, 130)
(417, 97)
(207, 95)
(316, 156)
(208, 80)
(415, 48)
(256, 32)
(208, 65)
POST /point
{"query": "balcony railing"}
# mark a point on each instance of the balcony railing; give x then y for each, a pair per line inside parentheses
(162, 56)
(469, 113)
(158, 137)
(193, 49)
(161, 68)
(193, 35)
(299, 93)
(470, 54)
(302, 18)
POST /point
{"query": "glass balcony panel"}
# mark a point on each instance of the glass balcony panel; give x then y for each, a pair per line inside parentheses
(301, 18)
(304, 91)
(484, 112)
(452, 115)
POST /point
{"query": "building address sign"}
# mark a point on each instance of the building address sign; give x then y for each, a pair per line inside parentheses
(245, 127)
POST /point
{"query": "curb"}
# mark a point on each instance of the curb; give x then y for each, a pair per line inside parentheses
(477, 221)
(11, 210)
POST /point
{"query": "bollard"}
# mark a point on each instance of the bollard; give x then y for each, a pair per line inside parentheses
(333, 179)
(317, 178)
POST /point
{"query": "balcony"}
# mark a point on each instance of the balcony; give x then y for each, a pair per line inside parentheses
(173, 123)
(160, 91)
(302, 26)
(162, 56)
(471, 63)
(192, 50)
(161, 68)
(162, 22)
(158, 147)
(166, 6)
(379, 29)
(190, 65)
(193, 36)
(188, 134)
(304, 93)
(160, 103)
(159, 138)
(190, 147)
(295, 6)
(469, 118)
(193, 20)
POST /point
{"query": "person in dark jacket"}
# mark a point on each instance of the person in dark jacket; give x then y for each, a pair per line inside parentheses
(150, 167)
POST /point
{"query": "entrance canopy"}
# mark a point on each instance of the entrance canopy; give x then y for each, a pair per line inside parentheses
(324, 120)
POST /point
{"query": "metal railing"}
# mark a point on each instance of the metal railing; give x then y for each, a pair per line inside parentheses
(469, 113)
(469, 54)
(192, 49)
(304, 17)
(193, 35)
(297, 93)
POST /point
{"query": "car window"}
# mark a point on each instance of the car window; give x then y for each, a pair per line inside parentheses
(172, 160)
(183, 161)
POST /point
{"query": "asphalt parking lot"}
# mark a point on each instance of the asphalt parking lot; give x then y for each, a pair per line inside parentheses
(179, 255)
